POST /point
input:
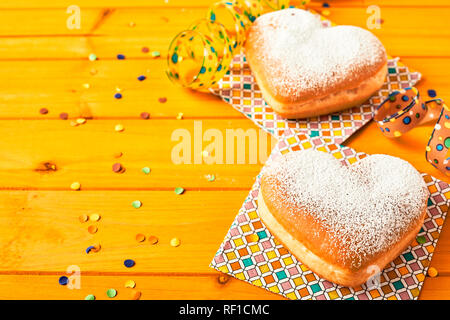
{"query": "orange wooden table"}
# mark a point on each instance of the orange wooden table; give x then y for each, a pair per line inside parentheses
(44, 64)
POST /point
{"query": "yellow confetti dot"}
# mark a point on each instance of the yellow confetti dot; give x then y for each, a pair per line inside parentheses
(205, 153)
(130, 284)
(175, 242)
(397, 134)
(92, 229)
(75, 186)
(81, 120)
(94, 217)
(447, 124)
(119, 128)
(432, 272)
(180, 116)
(83, 218)
(86, 85)
(326, 13)
(428, 148)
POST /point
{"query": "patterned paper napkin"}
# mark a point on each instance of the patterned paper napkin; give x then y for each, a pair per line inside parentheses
(250, 253)
(239, 89)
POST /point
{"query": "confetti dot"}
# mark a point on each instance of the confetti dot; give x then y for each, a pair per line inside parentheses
(86, 85)
(131, 24)
(439, 147)
(135, 295)
(119, 128)
(75, 186)
(162, 100)
(326, 13)
(43, 111)
(117, 168)
(92, 57)
(140, 237)
(94, 217)
(179, 190)
(145, 115)
(129, 263)
(405, 98)
(89, 297)
(146, 170)
(325, 5)
(92, 229)
(83, 218)
(136, 204)
(432, 272)
(63, 280)
(145, 49)
(120, 57)
(118, 96)
(397, 134)
(156, 54)
(211, 177)
(175, 242)
(407, 120)
(64, 116)
(89, 249)
(111, 293)
(141, 78)
(180, 116)
(153, 239)
(130, 284)
(81, 120)
(431, 93)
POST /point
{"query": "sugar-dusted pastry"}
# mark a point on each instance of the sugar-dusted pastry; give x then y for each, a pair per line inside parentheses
(346, 223)
(304, 69)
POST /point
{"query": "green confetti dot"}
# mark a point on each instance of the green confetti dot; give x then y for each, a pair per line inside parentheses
(421, 239)
(211, 178)
(111, 293)
(146, 170)
(179, 190)
(89, 297)
(156, 54)
(92, 57)
(136, 204)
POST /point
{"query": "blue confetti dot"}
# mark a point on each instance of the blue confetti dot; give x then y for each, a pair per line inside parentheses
(407, 120)
(431, 93)
(120, 57)
(439, 147)
(325, 5)
(129, 263)
(141, 78)
(118, 96)
(203, 70)
(405, 98)
(63, 280)
(387, 129)
(88, 249)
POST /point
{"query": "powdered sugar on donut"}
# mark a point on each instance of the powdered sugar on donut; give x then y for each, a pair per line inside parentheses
(366, 208)
(303, 58)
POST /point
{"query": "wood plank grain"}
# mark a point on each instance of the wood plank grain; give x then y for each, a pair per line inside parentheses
(155, 287)
(26, 91)
(40, 231)
(24, 4)
(86, 154)
(195, 287)
(422, 32)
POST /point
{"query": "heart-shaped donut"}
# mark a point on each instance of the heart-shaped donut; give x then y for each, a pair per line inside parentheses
(305, 69)
(343, 222)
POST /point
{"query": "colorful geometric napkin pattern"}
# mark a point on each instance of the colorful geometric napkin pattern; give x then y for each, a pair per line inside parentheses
(240, 89)
(249, 252)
